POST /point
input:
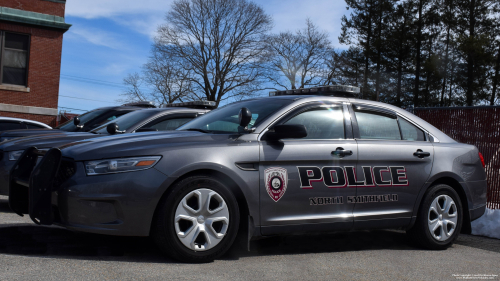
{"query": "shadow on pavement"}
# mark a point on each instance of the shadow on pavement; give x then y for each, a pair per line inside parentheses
(4, 205)
(57, 242)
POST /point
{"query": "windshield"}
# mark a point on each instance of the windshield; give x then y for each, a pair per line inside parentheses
(225, 119)
(69, 126)
(126, 121)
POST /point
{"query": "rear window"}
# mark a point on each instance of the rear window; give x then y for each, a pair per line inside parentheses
(373, 125)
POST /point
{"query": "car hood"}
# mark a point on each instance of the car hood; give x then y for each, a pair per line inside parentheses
(29, 132)
(44, 141)
(131, 145)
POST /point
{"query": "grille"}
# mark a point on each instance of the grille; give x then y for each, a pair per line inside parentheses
(66, 171)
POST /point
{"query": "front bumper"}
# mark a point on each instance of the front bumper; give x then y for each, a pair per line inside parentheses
(114, 204)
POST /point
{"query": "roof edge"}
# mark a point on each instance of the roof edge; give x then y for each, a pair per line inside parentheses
(33, 18)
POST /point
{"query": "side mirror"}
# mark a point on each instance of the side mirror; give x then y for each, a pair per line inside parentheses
(245, 117)
(146, 130)
(112, 128)
(76, 121)
(287, 132)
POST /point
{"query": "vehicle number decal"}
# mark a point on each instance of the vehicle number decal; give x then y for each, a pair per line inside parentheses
(276, 180)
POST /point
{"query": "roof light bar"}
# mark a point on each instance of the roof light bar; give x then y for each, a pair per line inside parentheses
(202, 104)
(146, 104)
(334, 90)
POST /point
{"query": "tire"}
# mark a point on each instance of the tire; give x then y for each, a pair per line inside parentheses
(433, 214)
(198, 221)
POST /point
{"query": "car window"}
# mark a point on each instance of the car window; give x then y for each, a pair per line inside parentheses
(169, 124)
(105, 118)
(69, 126)
(410, 132)
(34, 126)
(321, 122)
(374, 125)
(5, 126)
(126, 121)
(225, 119)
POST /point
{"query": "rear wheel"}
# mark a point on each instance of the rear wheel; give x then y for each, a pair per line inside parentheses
(198, 221)
(439, 218)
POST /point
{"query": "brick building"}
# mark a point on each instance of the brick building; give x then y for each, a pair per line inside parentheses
(31, 37)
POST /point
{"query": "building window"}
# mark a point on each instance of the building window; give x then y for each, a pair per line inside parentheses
(14, 58)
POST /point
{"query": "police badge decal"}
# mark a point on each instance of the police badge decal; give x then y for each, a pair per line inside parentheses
(276, 180)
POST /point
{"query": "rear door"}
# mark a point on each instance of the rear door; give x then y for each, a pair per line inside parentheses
(394, 161)
(303, 182)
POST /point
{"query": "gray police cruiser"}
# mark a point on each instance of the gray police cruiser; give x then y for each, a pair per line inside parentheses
(168, 117)
(307, 160)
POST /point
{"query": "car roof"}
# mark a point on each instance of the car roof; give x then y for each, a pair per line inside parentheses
(298, 99)
(24, 120)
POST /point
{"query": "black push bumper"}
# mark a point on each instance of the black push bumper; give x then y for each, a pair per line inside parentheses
(31, 185)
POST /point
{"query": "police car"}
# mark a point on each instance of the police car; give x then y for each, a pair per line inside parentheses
(83, 123)
(169, 117)
(306, 160)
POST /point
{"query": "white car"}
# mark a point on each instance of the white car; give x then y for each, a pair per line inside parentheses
(8, 123)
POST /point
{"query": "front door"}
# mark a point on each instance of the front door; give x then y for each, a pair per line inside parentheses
(394, 162)
(304, 182)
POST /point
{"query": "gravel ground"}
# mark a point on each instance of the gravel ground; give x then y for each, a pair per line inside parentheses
(30, 252)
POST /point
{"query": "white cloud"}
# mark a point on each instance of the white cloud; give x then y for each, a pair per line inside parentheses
(90, 9)
(144, 16)
(96, 36)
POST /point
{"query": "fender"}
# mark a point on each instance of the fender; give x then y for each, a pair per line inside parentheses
(430, 182)
(251, 198)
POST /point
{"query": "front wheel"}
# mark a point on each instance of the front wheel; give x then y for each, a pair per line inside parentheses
(439, 218)
(198, 221)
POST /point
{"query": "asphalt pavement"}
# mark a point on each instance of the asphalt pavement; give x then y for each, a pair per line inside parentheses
(31, 252)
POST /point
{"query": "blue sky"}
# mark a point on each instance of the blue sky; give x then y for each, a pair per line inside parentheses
(111, 38)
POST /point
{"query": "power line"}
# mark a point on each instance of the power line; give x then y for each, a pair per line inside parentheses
(85, 99)
(84, 78)
(95, 81)
(72, 108)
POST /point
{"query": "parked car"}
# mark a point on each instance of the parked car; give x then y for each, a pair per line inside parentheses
(139, 121)
(83, 123)
(8, 123)
(306, 160)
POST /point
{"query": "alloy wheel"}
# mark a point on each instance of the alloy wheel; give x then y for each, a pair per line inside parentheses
(201, 219)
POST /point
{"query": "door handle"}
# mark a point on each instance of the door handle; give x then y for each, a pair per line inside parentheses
(341, 152)
(421, 154)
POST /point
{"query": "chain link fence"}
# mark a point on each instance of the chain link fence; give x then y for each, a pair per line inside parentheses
(477, 125)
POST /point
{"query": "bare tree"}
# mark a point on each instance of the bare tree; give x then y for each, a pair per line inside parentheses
(134, 92)
(163, 80)
(218, 44)
(295, 60)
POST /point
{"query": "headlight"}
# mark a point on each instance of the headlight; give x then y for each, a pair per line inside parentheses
(120, 165)
(15, 155)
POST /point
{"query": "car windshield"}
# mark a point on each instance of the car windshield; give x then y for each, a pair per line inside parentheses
(126, 121)
(225, 119)
(69, 126)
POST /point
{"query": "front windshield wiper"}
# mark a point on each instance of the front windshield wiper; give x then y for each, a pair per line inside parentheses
(197, 130)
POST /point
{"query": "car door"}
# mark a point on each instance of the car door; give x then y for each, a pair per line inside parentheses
(303, 182)
(394, 161)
